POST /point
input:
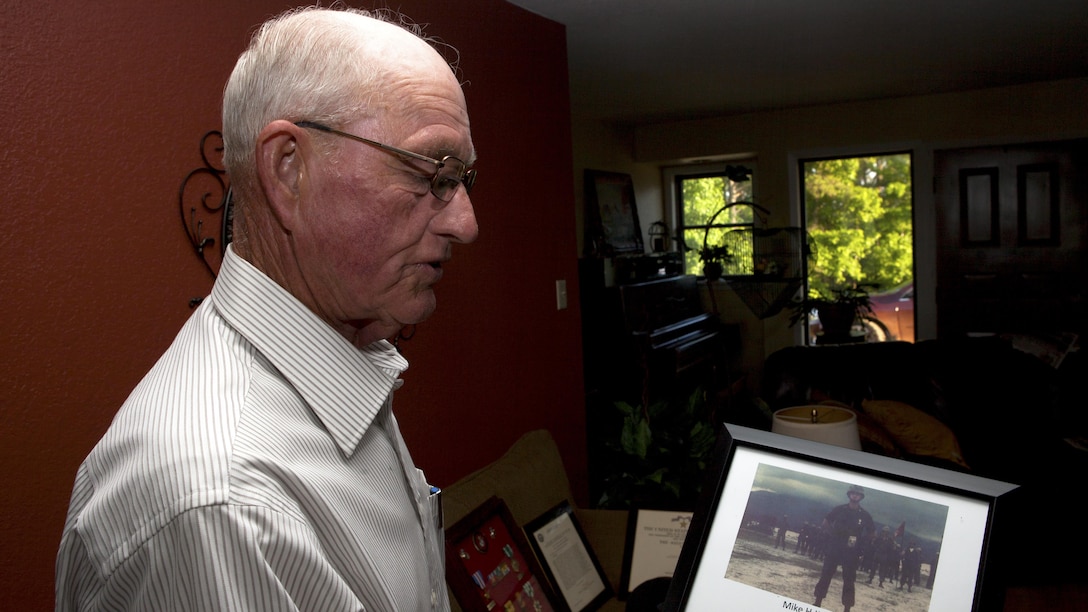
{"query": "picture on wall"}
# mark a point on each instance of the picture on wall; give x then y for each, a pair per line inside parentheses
(611, 219)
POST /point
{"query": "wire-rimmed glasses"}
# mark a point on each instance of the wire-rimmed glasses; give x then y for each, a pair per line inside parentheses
(449, 172)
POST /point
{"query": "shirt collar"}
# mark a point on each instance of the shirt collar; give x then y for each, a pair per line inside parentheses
(345, 387)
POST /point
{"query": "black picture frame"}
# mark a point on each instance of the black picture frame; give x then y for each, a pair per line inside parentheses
(489, 563)
(611, 215)
(557, 539)
(652, 549)
(967, 577)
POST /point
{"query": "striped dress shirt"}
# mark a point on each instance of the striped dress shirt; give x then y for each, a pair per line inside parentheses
(258, 466)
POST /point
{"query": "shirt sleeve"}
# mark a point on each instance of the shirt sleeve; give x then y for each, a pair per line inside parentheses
(222, 558)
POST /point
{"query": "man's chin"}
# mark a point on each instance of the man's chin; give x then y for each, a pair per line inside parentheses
(417, 310)
(392, 321)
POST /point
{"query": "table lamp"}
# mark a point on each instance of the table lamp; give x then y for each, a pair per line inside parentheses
(827, 424)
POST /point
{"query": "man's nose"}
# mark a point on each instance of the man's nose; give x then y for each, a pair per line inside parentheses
(458, 218)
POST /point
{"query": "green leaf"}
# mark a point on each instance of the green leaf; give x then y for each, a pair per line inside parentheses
(657, 409)
(624, 407)
(657, 476)
(672, 488)
(635, 437)
(702, 440)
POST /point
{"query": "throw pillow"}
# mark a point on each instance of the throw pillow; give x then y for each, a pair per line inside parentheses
(916, 432)
(874, 438)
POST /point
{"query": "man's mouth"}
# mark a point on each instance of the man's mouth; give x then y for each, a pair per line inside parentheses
(436, 270)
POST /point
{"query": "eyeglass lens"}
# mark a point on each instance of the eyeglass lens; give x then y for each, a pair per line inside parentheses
(450, 175)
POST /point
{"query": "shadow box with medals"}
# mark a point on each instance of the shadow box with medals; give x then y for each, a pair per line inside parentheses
(490, 566)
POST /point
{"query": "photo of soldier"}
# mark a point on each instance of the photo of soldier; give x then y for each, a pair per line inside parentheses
(834, 552)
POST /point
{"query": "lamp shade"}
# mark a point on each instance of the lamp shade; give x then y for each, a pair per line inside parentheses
(827, 424)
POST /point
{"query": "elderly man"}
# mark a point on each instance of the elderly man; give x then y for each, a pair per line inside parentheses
(259, 466)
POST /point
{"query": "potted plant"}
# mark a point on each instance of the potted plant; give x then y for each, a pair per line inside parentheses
(714, 259)
(839, 311)
(657, 456)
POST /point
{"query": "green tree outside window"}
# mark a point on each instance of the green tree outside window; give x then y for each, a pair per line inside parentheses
(858, 214)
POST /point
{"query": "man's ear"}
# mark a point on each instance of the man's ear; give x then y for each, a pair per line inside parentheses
(280, 167)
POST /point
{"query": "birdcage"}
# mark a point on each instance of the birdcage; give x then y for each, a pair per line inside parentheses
(764, 267)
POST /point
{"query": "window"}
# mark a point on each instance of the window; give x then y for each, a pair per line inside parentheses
(700, 198)
(859, 218)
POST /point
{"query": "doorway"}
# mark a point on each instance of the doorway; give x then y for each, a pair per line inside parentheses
(858, 213)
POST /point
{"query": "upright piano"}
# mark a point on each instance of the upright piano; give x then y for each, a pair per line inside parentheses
(649, 340)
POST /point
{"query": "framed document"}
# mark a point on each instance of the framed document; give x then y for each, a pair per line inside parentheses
(654, 540)
(568, 561)
(489, 565)
(862, 504)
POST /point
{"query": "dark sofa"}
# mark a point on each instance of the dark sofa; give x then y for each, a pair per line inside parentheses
(1008, 411)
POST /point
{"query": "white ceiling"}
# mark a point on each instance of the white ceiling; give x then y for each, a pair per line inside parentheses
(636, 61)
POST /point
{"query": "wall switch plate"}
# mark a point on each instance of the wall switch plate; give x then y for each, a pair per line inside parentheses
(560, 295)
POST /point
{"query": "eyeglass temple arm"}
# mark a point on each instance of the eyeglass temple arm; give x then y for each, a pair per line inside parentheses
(374, 143)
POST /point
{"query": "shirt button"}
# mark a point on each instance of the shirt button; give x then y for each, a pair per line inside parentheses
(434, 599)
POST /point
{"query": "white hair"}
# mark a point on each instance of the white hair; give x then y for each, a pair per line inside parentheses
(304, 64)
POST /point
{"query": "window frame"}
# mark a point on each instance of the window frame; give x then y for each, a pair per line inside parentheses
(672, 175)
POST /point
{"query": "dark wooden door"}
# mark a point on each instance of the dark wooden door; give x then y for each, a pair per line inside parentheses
(1011, 238)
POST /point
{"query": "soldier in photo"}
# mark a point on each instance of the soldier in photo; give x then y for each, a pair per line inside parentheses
(912, 567)
(780, 537)
(844, 528)
(884, 557)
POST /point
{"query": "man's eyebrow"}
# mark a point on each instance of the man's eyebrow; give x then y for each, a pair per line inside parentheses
(442, 150)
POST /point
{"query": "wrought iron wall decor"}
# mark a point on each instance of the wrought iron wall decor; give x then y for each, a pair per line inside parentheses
(204, 200)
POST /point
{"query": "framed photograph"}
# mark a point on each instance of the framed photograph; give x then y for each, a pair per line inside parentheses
(611, 219)
(568, 560)
(654, 540)
(789, 524)
(489, 565)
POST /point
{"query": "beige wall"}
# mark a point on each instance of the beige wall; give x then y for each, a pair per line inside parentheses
(923, 124)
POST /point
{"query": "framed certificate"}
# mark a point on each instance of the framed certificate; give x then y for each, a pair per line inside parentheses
(489, 565)
(568, 561)
(654, 540)
(790, 524)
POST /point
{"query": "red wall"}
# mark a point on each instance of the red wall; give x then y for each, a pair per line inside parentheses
(103, 107)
